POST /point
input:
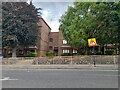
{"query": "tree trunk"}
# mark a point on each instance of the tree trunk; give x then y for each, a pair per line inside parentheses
(14, 53)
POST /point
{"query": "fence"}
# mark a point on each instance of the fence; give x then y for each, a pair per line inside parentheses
(82, 59)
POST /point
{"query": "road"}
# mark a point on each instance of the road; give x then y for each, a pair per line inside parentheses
(59, 78)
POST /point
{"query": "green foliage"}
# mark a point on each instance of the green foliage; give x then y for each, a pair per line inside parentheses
(110, 52)
(107, 23)
(90, 53)
(31, 54)
(87, 18)
(50, 54)
(66, 54)
(19, 24)
(98, 53)
(75, 24)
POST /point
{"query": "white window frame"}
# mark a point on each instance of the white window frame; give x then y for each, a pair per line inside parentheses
(74, 51)
(64, 41)
(66, 51)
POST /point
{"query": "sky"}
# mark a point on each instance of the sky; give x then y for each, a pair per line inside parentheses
(52, 11)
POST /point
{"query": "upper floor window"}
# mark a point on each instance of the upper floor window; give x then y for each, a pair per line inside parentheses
(64, 42)
(51, 39)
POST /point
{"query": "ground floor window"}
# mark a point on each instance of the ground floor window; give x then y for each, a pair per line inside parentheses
(66, 51)
(50, 47)
(74, 51)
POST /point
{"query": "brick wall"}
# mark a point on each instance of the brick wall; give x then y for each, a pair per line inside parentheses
(44, 37)
(54, 42)
(62, 46)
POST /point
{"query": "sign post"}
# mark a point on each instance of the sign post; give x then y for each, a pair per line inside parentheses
(92, 43)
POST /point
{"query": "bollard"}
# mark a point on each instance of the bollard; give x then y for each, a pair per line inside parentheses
(114, 59)
(94, 61)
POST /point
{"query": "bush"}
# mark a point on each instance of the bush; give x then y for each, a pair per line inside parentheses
(98, 53)
(32, 54)
(66, 54)
(90, 53)
(50, 54)
(110, 52)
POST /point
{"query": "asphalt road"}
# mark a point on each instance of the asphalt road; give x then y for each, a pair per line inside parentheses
(59, 78)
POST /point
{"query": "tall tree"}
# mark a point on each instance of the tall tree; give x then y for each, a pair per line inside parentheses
(107, 23)
(79, 23)
(19, 25)
(76, 24)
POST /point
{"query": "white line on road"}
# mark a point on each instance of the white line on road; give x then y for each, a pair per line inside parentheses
(7, 78)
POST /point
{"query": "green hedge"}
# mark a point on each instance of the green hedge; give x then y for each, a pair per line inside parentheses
(50, 54)
(32, 54)
(66, 54)
(98, 53)
(110, 52)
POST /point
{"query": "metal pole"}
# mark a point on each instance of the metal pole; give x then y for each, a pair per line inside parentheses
(94, 51)
(94, 56)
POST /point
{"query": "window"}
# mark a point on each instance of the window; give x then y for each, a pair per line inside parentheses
(20, 52)
(50, 47)
(74, 51)
(64, 42)
(55, 48)
(51, 39)
(66, 51)
(10, 52)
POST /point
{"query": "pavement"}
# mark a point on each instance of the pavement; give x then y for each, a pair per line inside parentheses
(27, 64)
(70, 66)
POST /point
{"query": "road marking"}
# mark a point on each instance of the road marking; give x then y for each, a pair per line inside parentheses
(7, 78)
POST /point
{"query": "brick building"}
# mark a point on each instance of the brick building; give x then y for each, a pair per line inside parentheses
(54, 42)
(58, 44)
(43, 43)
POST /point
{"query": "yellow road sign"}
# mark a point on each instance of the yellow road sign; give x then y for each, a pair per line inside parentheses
(92, 42)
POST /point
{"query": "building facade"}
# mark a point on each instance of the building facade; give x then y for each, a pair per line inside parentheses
(43, 41)
(50, 42)
(58, 44)
(54, 42)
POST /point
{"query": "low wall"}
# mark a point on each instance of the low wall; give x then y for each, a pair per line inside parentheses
(82, 59)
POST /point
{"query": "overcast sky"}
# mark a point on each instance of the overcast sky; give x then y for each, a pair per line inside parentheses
(52, 11)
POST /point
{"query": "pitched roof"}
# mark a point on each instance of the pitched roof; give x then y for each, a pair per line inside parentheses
(45, 22)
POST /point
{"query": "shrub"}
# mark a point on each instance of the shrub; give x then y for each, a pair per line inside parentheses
(50, 54)
(66, 54)
(90, 53)
(98, 53)
(110, 52)
(32, 54)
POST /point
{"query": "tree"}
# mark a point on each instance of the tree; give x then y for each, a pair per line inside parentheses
(107, 23)
(19, 25)
(76, 24)
(79, 23)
